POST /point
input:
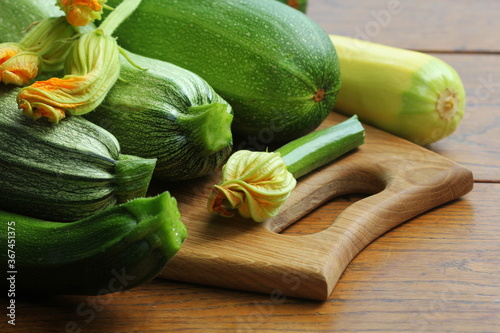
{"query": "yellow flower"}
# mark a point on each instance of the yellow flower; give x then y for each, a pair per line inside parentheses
(81, 12)
(91, 69)
(51, 98)
(42, 49)
(17, 66)
(254, 183)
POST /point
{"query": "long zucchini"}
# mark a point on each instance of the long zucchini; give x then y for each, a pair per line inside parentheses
(110, 251)
(275, 66)
(63, 172)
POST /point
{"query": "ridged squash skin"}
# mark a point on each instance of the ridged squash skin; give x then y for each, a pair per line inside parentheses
(65, 171)
(275, 66)
(410, 94)
(17, 15)
(156, 110)
(113, 250)
(165, 112)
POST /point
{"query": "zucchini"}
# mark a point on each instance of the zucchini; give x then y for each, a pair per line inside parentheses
(410, 94)
(163, 112)
(256, 184)
(63, 172)
(113, 250)
(18, 15)
(168, 113)
(274, 65)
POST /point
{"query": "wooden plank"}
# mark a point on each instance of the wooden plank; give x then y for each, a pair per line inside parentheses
(437, 273)
(427, 25)
(405, 180)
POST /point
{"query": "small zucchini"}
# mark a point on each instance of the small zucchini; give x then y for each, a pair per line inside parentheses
(168, 113)
(410, 94)
(65, 171)
(274, 65)
(113, 250)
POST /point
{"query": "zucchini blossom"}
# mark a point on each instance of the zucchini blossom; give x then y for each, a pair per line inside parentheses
(42, 49)
(91, 69)
(81, 12)
(16, 65)
(255, 184)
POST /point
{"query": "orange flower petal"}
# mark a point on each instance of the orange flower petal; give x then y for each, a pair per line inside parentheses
(20, 69)
(92, 69)
(82, 12)
(7, 52)
(254, 183)
(38, 110)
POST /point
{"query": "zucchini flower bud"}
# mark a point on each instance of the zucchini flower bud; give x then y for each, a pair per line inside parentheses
(81, 12)
(43, 49)
(17, 66)
(254, 183)
(91, 69)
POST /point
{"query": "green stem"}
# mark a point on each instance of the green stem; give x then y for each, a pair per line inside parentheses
(316, 149)
(133, 176)
(209, 126)
(118, 15)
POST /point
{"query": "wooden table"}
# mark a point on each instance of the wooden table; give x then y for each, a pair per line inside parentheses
(439, 272)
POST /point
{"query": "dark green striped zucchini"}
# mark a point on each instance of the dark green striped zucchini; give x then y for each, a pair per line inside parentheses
(65, 171)
(18, 15)
(162, 112)
(276, 67)
(166, 112)
(113, 250)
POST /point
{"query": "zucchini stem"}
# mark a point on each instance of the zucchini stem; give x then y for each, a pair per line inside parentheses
(118, 15)
(256, 184)
(312, 151)
(208, 125)
(133, 175)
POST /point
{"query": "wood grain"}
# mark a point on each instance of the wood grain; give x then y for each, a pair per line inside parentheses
(404, 179)
(438, 272)
(425, 25)
(413, 279)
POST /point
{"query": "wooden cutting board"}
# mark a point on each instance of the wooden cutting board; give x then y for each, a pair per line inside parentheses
(403, 180)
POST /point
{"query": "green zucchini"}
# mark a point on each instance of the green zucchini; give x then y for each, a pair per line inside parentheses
(161, 111)
(18, 15)
(168, 113)
(113, 250)
(63, 172)
(274, 65)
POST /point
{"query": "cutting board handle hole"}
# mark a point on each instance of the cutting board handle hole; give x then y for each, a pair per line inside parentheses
(323, 216)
